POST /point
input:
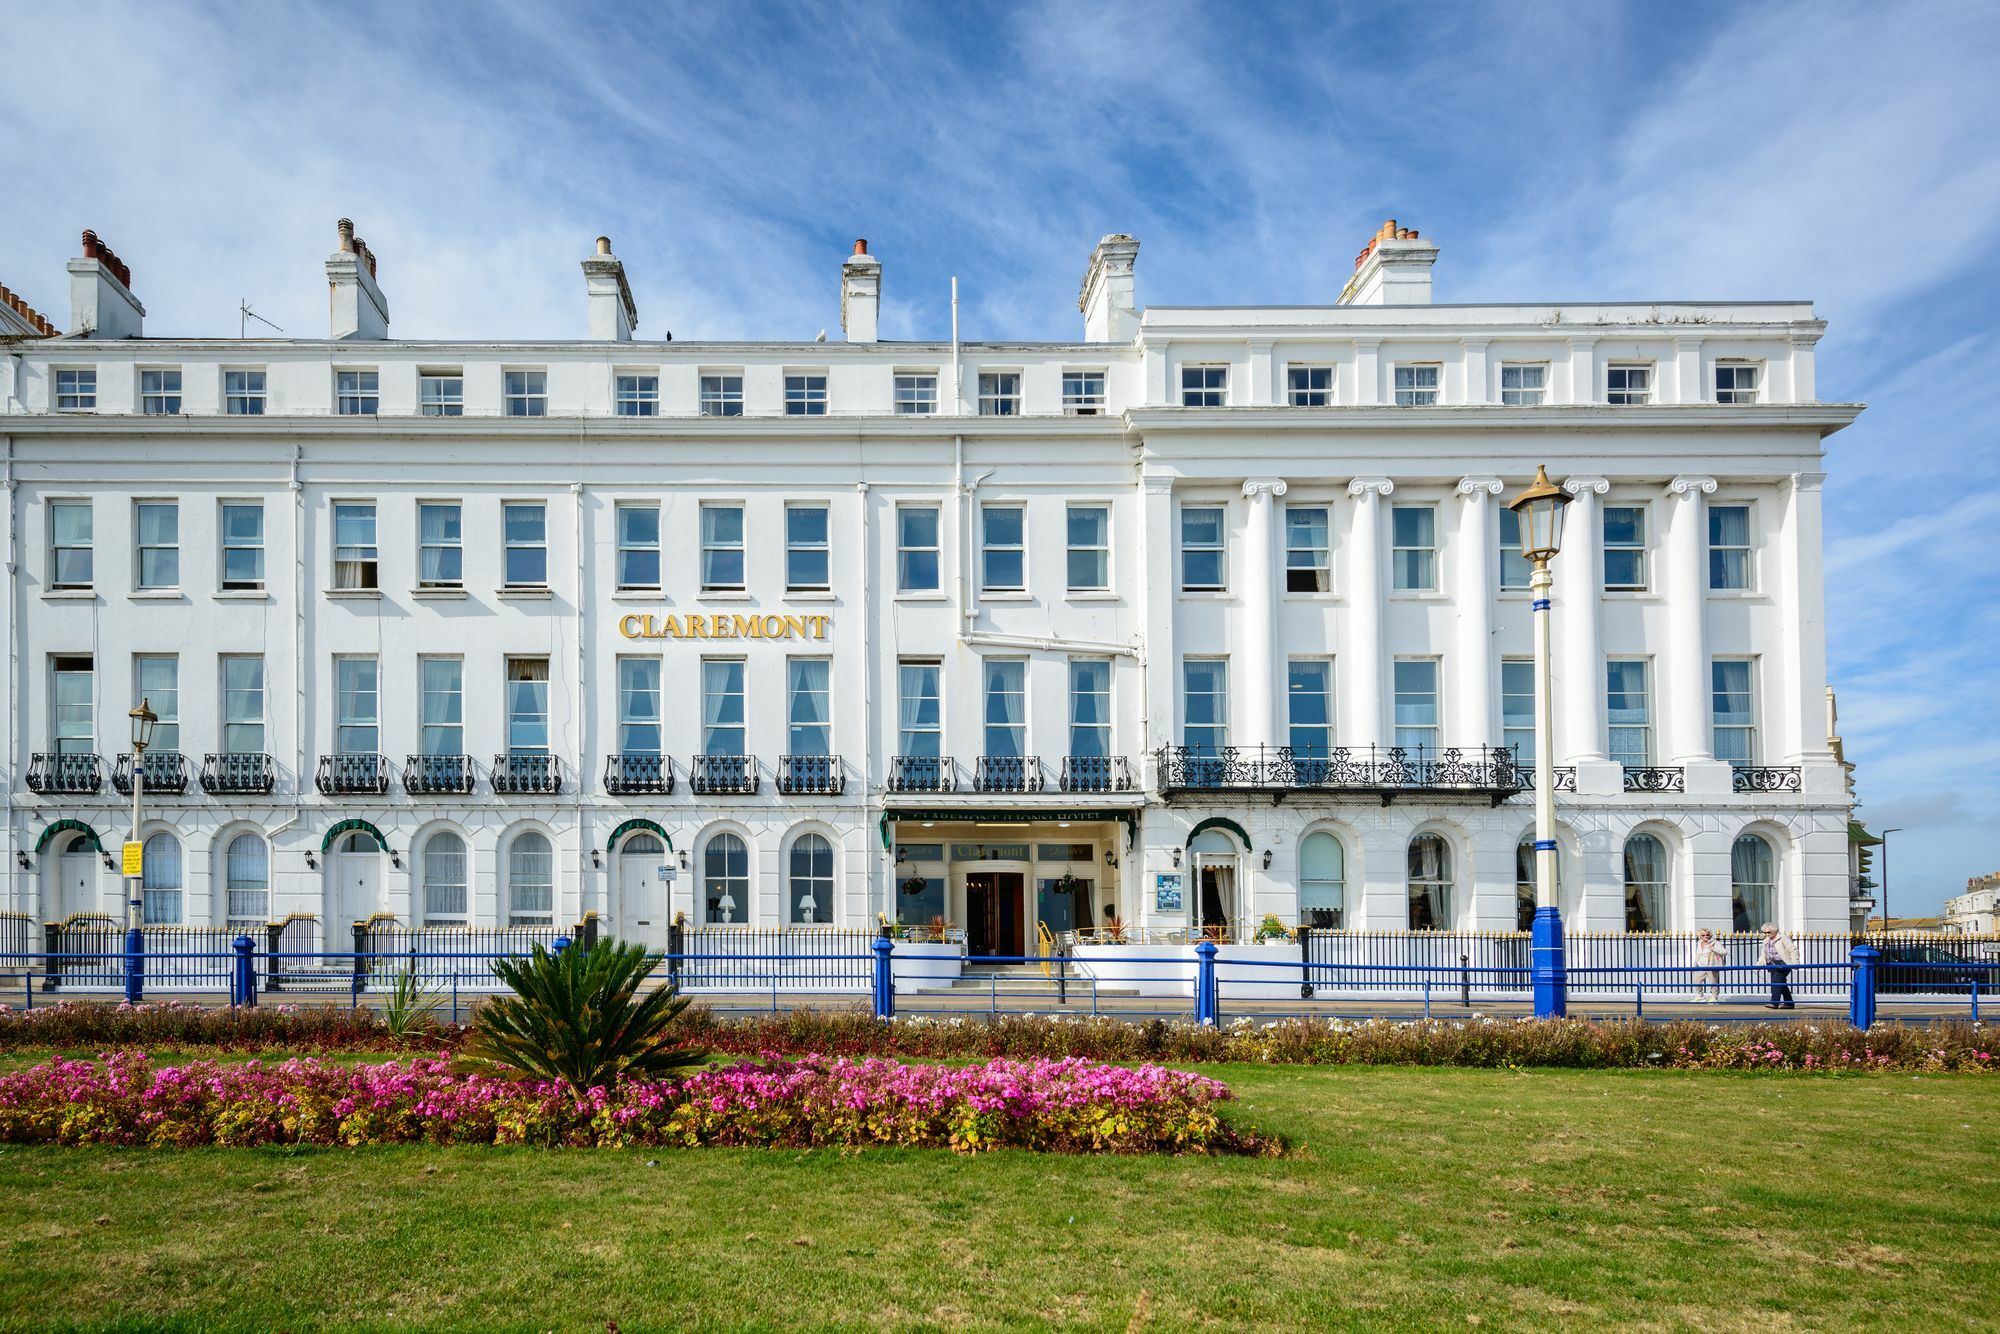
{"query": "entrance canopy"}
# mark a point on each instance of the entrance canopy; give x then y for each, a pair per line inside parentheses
(334, 834)
(633, 826)
(1033, 815)
(61, 827)
(1219, 822)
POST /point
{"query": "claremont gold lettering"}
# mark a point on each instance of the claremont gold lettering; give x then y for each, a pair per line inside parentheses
(696, 625)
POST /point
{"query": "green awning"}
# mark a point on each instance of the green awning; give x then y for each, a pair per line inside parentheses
(69, 827)
(334, 834)
(633, 826)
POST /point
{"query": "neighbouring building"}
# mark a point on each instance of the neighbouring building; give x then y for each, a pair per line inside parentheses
(1213, 613)
(1976, 912)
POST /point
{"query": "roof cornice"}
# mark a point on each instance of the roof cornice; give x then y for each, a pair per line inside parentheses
(1826, 417)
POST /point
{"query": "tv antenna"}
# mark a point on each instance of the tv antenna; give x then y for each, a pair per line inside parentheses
(244, 315)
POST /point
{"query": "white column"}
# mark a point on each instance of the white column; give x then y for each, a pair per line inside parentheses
(1362, 667)
(1800, 702)
(1579, 662)
(1256, 714)
(1688, 733)
(1470, 704)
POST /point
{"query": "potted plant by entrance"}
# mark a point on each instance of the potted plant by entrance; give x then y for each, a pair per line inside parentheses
(1271, 931)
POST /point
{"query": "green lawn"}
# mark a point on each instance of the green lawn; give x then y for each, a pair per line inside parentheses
(1415, 1198)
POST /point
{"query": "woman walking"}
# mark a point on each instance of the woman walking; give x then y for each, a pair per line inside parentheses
(1778, 958)
(1708, 953)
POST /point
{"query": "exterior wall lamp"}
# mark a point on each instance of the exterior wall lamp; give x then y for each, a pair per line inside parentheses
(312, 862)
(1177, 857)
(21, 860)
(1267, 859)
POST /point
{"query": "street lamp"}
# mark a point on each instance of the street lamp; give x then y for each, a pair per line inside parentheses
(143, 719)
(1540, 512)
(1885, 875)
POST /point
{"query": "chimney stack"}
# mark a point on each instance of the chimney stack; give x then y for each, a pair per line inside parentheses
(1393, 269)
(356, 308)
(1108, 299)
(613, 317)
(101, 304)
(860, 294)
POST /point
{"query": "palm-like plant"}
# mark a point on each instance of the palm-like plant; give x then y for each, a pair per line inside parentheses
(576, 1016)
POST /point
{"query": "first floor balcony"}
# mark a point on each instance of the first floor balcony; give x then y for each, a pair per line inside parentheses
(723, 775)
(1655, 778)
(1564, 776)
(437, 775)
(638, 773)
(1007, 773)
(164, 771)
(526, 774)
(1096, 773)
(1383, 772)
(815, 775)
(352, 774)
(54, 773)
(1766, 778)
(923, 773)
(234, 772)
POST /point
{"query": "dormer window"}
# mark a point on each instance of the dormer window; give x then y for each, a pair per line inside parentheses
(76, 390)
(1737, 381)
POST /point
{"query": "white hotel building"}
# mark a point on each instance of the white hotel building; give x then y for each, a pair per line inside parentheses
(1211, 614)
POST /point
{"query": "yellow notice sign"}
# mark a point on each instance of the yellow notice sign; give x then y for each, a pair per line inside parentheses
(135, 859)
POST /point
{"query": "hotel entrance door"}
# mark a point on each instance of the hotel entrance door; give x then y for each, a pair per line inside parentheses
(994, 916)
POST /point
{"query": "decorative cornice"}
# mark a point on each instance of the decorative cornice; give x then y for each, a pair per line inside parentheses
(1155, 484)
(1691, 487)
(1808, 481)
(1478, 488)
(1365, 487)
(1255, 485)
(1577, 486)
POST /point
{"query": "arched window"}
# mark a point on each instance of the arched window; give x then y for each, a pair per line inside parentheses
(161, 881)
(531, 881)
(1753, 883)
(445, 879)
(1525, 892)
(1645, 884)
(246, 876)
(1430, 883)
(725, 882)
(809, 897)
(1322, 882)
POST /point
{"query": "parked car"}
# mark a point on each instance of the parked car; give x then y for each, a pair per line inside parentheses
(1916, 969)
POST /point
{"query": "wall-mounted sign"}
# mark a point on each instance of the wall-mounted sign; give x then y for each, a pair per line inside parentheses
(1167, 892)
(699, 625)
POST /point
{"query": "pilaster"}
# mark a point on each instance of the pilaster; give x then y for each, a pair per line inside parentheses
(1256, 715)
(1578, 668)
(1469, 720)
(1689, 715)
(1362, 670)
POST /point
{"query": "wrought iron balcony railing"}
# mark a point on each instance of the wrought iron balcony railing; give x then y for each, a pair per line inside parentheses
(1007, 773)
(923, 773)
(54, 772)
(525, 775)
(344, 775)
(811, 774)
(1655, 778)
(1096, 773)
(1565, 776)
(723, 774)
(236, 771)
(1385, 772)
(166, 772)
(433, 775)
(631, 773)
(1765, 778)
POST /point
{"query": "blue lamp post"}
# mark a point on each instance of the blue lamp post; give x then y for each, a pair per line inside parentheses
(1540, 509)
(143, 719)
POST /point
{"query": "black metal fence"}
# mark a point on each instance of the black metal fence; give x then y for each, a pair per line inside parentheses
(785, 958)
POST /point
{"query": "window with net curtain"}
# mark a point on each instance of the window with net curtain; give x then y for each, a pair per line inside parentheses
(1430, 883)
(1753, 883)
(809, 897)
(160, 884)
(246, 877)
(530, 881)
(444, 879)
(1322, 882)
(1645, 884)
(725, 882)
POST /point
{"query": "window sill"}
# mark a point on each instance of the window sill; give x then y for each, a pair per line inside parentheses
(70, 595)
(1310, 597)
(924, 596)
(811, 595)
(155, 595)
(1633, 595)
(355, 594)
(1419, 595)
(242, 595)
(639, 595)
(1738, 595)
(1007, 595)
(725, 595)
(1204, 595)
(439, 594)
(524, 594)
(1094, 595)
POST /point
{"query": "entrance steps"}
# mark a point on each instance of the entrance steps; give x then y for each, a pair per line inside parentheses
(1014, 979)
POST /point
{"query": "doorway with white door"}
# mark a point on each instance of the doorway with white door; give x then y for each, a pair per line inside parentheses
(74, 888)
(353, 886)
(643, 883)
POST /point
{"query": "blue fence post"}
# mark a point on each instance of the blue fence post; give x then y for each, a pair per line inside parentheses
(1861, 991)
(135, 965)
(1549, 968)
(558, 945)
(243, 979)
(885, 977)
(1204, 982)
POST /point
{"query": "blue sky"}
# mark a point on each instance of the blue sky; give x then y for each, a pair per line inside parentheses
(732, 151)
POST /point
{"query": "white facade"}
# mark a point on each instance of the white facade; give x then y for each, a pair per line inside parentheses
(1325, 510)
(1976, 912)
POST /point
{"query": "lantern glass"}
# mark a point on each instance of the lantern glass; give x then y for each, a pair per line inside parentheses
(1540, 509)
(143, 719)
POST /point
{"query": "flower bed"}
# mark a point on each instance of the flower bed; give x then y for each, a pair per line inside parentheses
(180, 1024)
(1067, 1106)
